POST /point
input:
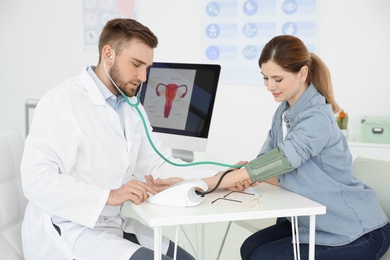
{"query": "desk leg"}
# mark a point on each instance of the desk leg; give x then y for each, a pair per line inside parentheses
(157, 243)
(312, 233)
(201, 240)
(295, 237)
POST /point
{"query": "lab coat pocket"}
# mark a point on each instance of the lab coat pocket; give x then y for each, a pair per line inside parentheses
(56, 245)
(134, 141)
(133, 149)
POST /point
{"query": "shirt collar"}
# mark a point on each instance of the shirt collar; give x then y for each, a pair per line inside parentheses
(303, 101)
(110, 98)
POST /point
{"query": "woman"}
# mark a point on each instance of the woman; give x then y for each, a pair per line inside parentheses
(305, 152)
(305, 130)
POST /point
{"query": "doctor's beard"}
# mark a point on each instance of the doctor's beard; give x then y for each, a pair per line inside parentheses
(116, 77)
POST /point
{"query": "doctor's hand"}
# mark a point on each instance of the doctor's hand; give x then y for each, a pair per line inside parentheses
(133, 190)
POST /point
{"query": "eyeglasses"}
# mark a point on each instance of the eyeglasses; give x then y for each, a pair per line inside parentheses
(240, 197)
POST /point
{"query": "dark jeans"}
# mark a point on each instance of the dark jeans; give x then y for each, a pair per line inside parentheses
(144, 253)
(275, 243)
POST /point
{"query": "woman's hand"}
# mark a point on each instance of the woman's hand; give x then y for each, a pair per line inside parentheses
(240, 186)
(162, 184)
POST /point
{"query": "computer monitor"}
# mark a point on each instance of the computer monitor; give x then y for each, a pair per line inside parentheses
(179, 100)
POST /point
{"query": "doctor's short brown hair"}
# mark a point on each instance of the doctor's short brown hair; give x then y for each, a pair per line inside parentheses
(121, 30)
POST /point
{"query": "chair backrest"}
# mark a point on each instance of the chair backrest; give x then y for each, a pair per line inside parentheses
(12, 200)
(375, 174)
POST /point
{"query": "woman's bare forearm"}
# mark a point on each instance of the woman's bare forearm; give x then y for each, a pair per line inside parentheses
(229, 180)
(234, 177)
(273, 181)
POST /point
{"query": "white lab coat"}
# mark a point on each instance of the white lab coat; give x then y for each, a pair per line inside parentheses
(74, 155)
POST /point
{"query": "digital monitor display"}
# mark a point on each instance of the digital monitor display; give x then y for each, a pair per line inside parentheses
(179, 99)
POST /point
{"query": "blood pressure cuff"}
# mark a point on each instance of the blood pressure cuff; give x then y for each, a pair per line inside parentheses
(268, 165)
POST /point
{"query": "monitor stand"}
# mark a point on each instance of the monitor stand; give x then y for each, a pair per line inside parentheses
(184, 155)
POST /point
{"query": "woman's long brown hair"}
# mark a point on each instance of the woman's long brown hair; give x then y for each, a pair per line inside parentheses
(291, 54)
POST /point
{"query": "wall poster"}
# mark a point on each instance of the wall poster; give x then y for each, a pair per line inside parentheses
(235, 31)
(98, 12)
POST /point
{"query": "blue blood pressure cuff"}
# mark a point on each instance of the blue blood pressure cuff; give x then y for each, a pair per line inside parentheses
(271, 164)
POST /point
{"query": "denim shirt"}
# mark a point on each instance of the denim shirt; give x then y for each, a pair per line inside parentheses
(323, 165)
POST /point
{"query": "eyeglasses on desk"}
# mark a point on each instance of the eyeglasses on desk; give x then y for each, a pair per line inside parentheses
(240, 197)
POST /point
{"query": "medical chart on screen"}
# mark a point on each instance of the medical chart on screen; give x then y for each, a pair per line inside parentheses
(98, 12)
(168, 96)
(235, 31)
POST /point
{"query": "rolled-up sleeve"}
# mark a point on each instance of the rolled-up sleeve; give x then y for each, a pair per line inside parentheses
(307, 138)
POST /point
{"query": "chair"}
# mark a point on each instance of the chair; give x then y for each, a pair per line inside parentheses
(375, 174)
(12, 200)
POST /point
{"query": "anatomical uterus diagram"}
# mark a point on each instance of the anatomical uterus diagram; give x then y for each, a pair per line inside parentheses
(170, 91)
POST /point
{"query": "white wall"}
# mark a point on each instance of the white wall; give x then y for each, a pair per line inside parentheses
(42, 44)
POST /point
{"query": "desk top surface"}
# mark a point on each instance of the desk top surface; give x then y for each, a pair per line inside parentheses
(264, 201)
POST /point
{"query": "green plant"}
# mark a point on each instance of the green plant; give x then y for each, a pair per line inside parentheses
(342, 120)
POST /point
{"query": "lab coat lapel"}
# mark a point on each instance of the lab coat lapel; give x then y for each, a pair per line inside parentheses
(131, 120)
(98, 99)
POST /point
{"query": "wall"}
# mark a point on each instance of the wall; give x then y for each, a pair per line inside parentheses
(42, 44)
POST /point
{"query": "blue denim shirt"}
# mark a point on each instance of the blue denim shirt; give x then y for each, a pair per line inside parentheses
(322, 162)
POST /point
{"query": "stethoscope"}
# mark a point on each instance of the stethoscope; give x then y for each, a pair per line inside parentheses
(136, 103)
(135, 106)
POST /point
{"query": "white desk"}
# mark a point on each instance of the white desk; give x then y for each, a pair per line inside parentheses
(275, 202)
(369, 150)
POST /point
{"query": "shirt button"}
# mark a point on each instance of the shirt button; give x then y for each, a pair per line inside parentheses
(291, 120)
(288, 125)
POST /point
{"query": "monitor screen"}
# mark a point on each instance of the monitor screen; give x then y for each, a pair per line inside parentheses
(179, 101)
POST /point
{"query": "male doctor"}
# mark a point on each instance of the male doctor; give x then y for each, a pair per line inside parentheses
(87, 153)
